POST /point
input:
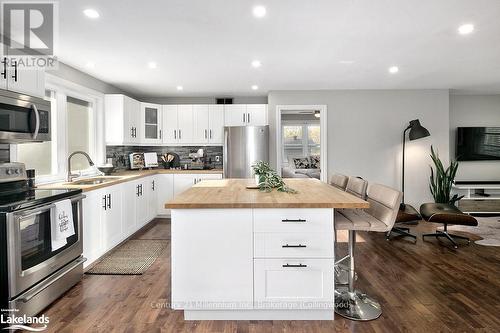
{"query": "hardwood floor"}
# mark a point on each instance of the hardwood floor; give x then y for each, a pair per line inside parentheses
(424, 287)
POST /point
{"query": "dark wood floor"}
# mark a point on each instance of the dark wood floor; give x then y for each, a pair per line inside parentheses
(423, 287)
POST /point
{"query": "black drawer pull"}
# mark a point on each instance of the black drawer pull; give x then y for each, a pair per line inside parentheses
(299, 265)
(298, 245)
(293, 220)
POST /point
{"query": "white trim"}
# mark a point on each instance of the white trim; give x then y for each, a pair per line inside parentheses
(323, 120)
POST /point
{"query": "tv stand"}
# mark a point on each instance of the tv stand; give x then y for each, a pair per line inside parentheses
(480, 197)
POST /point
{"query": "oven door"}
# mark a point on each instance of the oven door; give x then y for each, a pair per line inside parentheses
(24, 119)
(29, 251)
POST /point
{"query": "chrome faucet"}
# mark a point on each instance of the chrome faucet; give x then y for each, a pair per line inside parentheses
(72, 176)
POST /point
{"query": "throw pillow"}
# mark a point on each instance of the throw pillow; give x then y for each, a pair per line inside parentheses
(315, 161)
(301, 162)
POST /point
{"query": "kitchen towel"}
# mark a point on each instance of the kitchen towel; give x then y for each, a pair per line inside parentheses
(62, 225)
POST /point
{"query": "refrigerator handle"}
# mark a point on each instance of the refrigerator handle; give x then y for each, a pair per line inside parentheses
(225, 167)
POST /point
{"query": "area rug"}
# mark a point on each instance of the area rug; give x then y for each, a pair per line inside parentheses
(487, 228)
(133, 257)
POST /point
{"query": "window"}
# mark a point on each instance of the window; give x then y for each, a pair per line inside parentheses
(79, 118)
(300, 140)
(41, 155)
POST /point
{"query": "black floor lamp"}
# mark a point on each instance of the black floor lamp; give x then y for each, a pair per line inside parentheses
(417, 131)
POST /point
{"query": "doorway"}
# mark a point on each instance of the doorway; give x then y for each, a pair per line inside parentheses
(301, 141)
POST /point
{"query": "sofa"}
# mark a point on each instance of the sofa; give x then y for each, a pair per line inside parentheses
(302, 167)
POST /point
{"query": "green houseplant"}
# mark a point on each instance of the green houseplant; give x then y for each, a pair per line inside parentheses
(267, 178)
(441, 180)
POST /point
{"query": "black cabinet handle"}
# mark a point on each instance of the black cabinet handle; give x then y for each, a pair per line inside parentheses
(243, 117)
(160, 134)
(15, 71)
(104, 205)
(137, 190)
(248, 117)
(206, 134)
(210, 134)
(180, 137)
(109, 201)
(153, 185)
(140, 189)
(299, 265)
(4, 73)
(175, 134)
(298, 245)
(294, 220)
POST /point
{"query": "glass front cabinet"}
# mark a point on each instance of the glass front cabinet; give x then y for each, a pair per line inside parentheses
(151, 122)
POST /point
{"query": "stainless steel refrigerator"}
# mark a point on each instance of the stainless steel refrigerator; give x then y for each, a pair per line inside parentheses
(243, 146)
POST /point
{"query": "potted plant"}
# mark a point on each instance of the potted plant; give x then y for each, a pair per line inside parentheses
(267, 178)
(441, 180)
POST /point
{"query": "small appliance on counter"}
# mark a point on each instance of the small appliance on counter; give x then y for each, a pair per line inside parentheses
(150, 160)
(197, 160)
(136, 161)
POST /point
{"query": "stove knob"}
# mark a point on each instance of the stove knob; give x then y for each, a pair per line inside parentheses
(17, 172)
(9, 171)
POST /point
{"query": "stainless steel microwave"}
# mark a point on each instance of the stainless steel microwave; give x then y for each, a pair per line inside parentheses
(23, 118)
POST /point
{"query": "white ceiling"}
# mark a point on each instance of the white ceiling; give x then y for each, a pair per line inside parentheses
(207, 45)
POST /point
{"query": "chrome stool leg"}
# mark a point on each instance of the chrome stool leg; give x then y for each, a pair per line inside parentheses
(353, 304)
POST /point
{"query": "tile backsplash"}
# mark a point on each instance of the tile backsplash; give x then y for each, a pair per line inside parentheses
(120, 154)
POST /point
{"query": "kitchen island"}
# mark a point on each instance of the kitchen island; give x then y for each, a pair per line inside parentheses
(243, 254)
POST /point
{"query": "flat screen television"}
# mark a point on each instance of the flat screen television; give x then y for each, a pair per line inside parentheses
(478, 143)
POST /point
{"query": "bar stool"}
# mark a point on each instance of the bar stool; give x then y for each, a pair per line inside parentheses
(380, 217)
(357, 187)
(339, 181)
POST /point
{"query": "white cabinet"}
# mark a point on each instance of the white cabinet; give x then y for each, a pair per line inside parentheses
(293, 283)
(165, 192)
(129, 197)
(122, 119)
(183, 182)
(235, 114)
(92, 245)
(111, 218)
(245, 115)
(177, 124)
(209, 268)
(216, 124)
(17, 76)
(151, 123)
(152, 197)
(142, 204)
(200, 124)
(257, 114)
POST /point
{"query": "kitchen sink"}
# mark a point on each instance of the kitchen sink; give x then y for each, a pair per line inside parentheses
(93, 181)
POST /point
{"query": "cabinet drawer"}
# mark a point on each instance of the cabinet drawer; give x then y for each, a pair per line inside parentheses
(293, 245)
(293, 220)
(486, 205)
(293, 283)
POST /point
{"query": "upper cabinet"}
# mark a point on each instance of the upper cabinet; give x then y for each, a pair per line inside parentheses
(151, 115)
(129, 122)
(245, 115)
(122, 120)
(16, 76)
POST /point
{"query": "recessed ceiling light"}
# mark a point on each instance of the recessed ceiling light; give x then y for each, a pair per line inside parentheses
(346, 62)
(259, 11)
(466, 29)
(393, 69)
(152, 65)
(255, 87)
(90, 64)
(180, 88)
(91, 13)
(256, 64)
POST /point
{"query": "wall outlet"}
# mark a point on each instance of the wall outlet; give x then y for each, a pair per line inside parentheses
(217, 158)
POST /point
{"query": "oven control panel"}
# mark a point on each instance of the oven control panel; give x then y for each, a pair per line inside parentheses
(12, 171)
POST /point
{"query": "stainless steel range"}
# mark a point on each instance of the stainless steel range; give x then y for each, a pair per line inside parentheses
(32, 274)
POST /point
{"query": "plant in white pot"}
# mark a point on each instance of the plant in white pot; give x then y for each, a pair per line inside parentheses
(267, 178)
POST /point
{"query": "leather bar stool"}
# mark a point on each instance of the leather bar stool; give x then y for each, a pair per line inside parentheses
(380, 217)
(339, 181)
(357, 187)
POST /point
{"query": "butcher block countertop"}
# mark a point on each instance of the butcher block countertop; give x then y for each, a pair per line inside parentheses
(123, 176)
(232, 193)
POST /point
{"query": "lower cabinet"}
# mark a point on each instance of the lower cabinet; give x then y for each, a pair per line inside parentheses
(165, 192)
(293, 283)
(111, 217)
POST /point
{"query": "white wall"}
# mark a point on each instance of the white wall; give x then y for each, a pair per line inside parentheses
(474, 110)
(365, 132)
